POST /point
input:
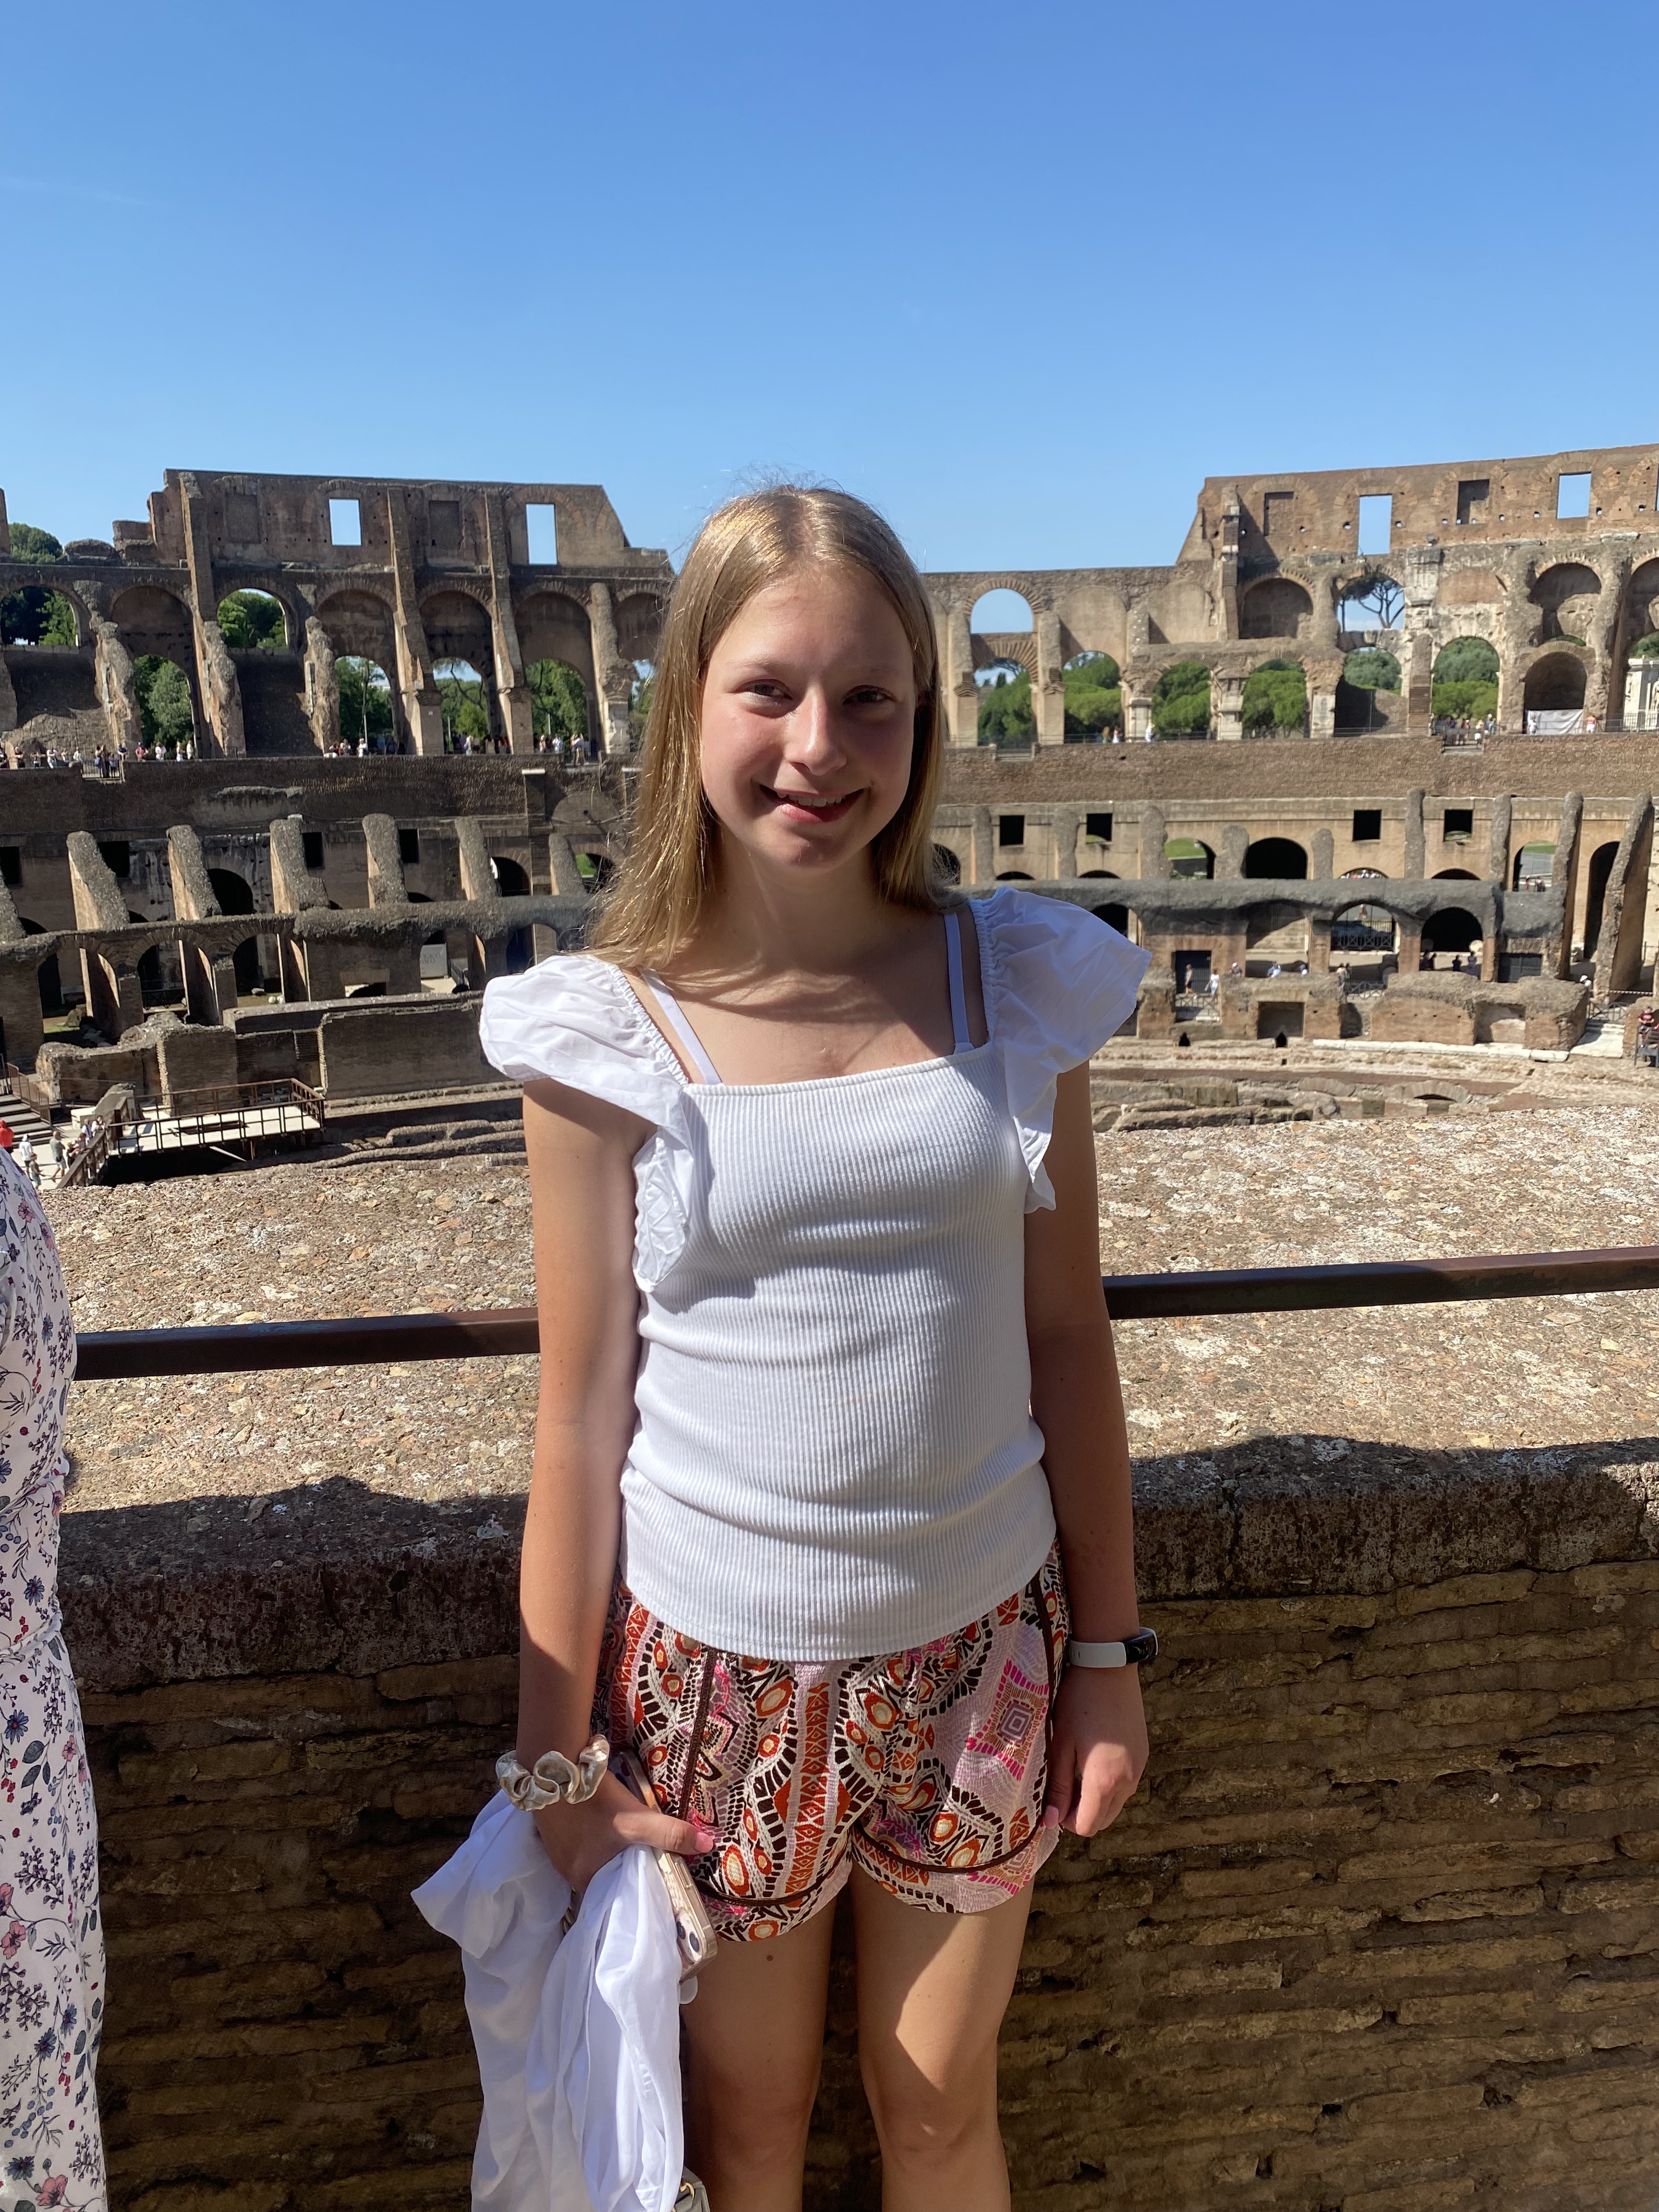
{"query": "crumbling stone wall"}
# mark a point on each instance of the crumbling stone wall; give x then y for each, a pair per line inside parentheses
(1375, 1933)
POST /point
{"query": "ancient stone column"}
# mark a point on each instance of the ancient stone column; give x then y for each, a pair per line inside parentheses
(1503, 819)
(309, 967)
(322, 693)
(1229, 857)
(1137, 706)
(1563, 878)
(567, 880)
(221, 693)
(116, 689)
(613, 676)
(1227, 694)
(114, 1000)
(209, 976)
(1412, 869)
(386, 867)
(1321, 850)
(1154, 832)
(961, 693)
(1048, 684)
(1067, 823)
(984, 867)
(21, 1024)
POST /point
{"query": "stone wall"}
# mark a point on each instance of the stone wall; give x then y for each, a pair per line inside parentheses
(1377, 1932)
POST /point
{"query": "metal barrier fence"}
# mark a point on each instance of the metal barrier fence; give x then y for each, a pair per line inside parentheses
(367, 1341)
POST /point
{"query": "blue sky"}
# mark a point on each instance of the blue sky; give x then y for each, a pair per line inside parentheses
(1022, 275)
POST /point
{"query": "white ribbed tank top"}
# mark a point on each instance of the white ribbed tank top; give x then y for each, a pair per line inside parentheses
(835, 1455)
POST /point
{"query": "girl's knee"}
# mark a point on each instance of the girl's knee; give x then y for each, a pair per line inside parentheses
(922, 2123)
(736, 2122)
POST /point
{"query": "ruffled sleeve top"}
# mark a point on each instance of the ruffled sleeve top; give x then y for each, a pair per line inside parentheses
(835, 1455)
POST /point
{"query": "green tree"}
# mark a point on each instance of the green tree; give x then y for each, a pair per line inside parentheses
(1094, 696)
(1276, 696)
(1646, 648)
(1454, 701)
(252, 621)
(1371, 669)
(1377, 601)
(558, 700)
(1181, 700)
(1465, 660)
(164, 702)
(1005, 710)
(465, 712)
(34, 615)
(365, 700)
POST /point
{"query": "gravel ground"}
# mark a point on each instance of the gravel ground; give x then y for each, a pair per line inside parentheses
(286, 1242)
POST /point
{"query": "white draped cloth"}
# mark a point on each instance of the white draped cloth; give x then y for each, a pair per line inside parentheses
(577, 2034)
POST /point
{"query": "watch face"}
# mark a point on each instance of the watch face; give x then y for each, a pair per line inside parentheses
(1141, 1646)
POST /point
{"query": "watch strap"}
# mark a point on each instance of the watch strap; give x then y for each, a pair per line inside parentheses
(1134, 1650)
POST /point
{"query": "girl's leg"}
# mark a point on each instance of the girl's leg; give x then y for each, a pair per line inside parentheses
(932, 1989)
(754, 2037)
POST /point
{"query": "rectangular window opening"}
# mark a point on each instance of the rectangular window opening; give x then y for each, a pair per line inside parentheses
(1376, 523)
(408, 848)
(1276, 515)
(314, 845)
(1099, 829)
(1367, 825)
(118, 857)
(11, 864)
(1010, 829)
(1460, 822)
(1572, 496)
(1471, 499)
(1192, 968)
(345, 522)
(541, 528)
(443, 525)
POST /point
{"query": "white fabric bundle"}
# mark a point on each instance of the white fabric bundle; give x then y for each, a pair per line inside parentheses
(577, 2035)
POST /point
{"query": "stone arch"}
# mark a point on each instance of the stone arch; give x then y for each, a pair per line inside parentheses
(1535, 865)
(235, 896)
(639, 625)
(1277, 606)
(48, 976)
(1190, 858)
(292, 625)
(1367, 926)
(1451, 929)
(511, 881)
(1565, 595)
(1595, 892)
(1554, 684)
(1015, 875)
(457, 627)
(359, 623)
(1115, 917)
(1004, 637)
(152, 620)
(466, 703)
(1463, 684)
(1454, 875)
(553, 625)
(1278, 858)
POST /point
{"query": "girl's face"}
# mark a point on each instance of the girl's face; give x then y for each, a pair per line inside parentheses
(808, 720)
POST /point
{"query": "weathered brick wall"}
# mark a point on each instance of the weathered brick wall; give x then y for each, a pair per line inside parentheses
(1378, 1933)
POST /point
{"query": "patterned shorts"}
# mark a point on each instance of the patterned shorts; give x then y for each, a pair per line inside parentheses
(925, 1768)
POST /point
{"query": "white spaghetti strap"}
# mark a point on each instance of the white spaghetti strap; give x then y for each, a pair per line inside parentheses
(682, 1029)
(960, 1040)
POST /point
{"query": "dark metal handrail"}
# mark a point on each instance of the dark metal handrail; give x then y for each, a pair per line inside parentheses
(106, 1354)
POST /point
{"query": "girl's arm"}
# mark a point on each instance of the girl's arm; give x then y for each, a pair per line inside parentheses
(581, 1186)
(1099, 1743)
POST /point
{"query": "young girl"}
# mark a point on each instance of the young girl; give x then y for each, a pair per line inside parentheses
(830, 1461)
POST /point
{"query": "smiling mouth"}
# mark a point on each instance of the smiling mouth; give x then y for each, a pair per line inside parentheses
(810, 805)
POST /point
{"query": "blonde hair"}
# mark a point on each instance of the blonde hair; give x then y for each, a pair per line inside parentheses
(662, 887)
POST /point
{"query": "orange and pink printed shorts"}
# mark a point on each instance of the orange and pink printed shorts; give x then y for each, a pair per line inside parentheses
(926, 1769)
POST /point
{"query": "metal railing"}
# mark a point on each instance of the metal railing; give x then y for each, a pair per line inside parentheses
(28, 1089)
(108, 1355)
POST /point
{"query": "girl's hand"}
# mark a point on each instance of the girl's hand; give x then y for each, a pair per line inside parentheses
(1099, 1749)
(581, 1838)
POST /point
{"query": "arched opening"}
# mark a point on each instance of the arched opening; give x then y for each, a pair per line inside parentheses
(1454, 875)
(638, 699)
(1452, 930)
(235, 896)
(1370, 602)
(1003, 637)
(46, 974)
(463, 705)
(150, 985)
(1534, 869)
(1094, 695)
(1595, 895)
(1189, 857)
(1553, 698)
(166, 705)
(367, 717)
(1465, 681)
(1110, 874)
(1368, 690)
(1275, 937)
(1181, 701)
(35, 616)
(1366, 930)
(1276, 607)
(558, 706)
(1566, 597)
(946, 865)
(511, 880)
(1115, 917)
(1014, 876)
(252, 621)
(1276, 698)
(597, 869)
(1280, 858)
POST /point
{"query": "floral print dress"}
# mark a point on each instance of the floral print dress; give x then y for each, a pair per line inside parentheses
(51, 1942)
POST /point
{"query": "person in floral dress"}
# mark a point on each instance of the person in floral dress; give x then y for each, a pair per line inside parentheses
(52, 1941)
